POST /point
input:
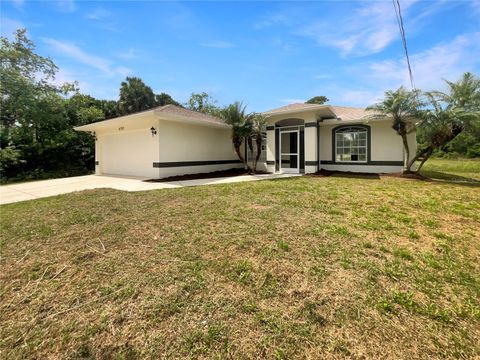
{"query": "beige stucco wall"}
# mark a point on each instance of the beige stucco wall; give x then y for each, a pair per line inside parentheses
(133, 151)
(386, 145)
(180, 142)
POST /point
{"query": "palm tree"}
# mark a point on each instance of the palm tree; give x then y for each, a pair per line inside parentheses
(464, 93)
(241, 123)
(259, 124)
(402, 106)
(448, 114)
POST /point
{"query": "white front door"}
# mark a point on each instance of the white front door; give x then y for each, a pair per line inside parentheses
(290, 151)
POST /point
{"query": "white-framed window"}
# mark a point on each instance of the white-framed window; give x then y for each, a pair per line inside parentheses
(351, 144)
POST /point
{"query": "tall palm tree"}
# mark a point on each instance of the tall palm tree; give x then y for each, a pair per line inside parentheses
(402, 106)
(449, 114)
(464, 93)
(235, 116)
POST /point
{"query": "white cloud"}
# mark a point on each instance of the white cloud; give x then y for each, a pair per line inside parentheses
(98, 14)
(18, 3)
(271, 20)
(130, 54)
(365, 82)
(66, 6)
(74, 52)
(322, 76)
(443, 61)
(367, 29)
(292, 101)
(359, 98)
(370, 29)
(219, 44)
(476, 6)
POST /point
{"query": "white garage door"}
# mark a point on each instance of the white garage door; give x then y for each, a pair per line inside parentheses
(129, 153)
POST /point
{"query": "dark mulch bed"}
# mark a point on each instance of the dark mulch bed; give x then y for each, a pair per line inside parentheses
(210, 175)
(344, 174)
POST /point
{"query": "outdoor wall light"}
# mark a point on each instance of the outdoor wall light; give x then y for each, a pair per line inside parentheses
(153, 131)
(94, 136)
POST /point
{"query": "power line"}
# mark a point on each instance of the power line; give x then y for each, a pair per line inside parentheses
(398, 14)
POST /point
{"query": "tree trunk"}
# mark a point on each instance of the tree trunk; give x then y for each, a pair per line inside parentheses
(425, 158)
(242, 159)
(406, 167)
(258, 141)
(416, 157)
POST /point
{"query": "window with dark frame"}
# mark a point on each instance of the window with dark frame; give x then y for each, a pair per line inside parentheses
(351, 144)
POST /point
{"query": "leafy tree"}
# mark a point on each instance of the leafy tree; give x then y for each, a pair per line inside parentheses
(403, 107)
(83, 109)
(317, 100)
(24, 75)
(135, 96)
(36, 135)
(109, 108)
(204, 103)
(448, 114)
(163, 99)
(241, 123)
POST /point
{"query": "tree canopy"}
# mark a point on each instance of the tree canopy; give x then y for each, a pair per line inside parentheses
(204, 103)
(135, 96)
(37, 139)
(320, 100)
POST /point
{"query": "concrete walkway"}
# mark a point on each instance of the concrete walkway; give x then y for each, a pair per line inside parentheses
(44, 188)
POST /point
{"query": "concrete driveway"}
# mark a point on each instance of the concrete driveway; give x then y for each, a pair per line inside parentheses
(44, 188)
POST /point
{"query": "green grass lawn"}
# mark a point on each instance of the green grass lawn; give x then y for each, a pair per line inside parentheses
(309, 267)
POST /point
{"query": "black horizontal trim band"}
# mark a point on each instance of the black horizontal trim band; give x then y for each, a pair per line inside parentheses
(311, 124)
(193, 163)
(311, 163)
(371, 163)
(270, 127)
(270, 162)
(96, 163)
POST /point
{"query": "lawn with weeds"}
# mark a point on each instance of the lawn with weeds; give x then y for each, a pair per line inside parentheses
(308, 267)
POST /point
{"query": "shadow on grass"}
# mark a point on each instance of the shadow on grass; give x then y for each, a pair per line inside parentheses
(449, 178)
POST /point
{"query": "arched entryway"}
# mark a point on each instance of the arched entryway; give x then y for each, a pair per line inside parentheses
(290, 146)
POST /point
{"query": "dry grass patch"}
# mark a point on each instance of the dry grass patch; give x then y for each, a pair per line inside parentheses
(312, 267)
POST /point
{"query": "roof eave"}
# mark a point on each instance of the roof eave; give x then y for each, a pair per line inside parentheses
(293, 111)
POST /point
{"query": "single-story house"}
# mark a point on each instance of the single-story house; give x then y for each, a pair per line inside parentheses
(164, 141)
(305, 138)
(300, 138)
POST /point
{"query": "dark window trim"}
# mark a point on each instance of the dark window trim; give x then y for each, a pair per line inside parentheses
(334, 149)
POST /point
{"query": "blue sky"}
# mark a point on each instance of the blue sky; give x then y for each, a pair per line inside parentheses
(266, 54)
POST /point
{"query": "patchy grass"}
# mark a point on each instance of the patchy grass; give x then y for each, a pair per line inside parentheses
(311, 267)
(465, 170)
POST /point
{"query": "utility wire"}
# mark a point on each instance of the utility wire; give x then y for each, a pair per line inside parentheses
(398, 14)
